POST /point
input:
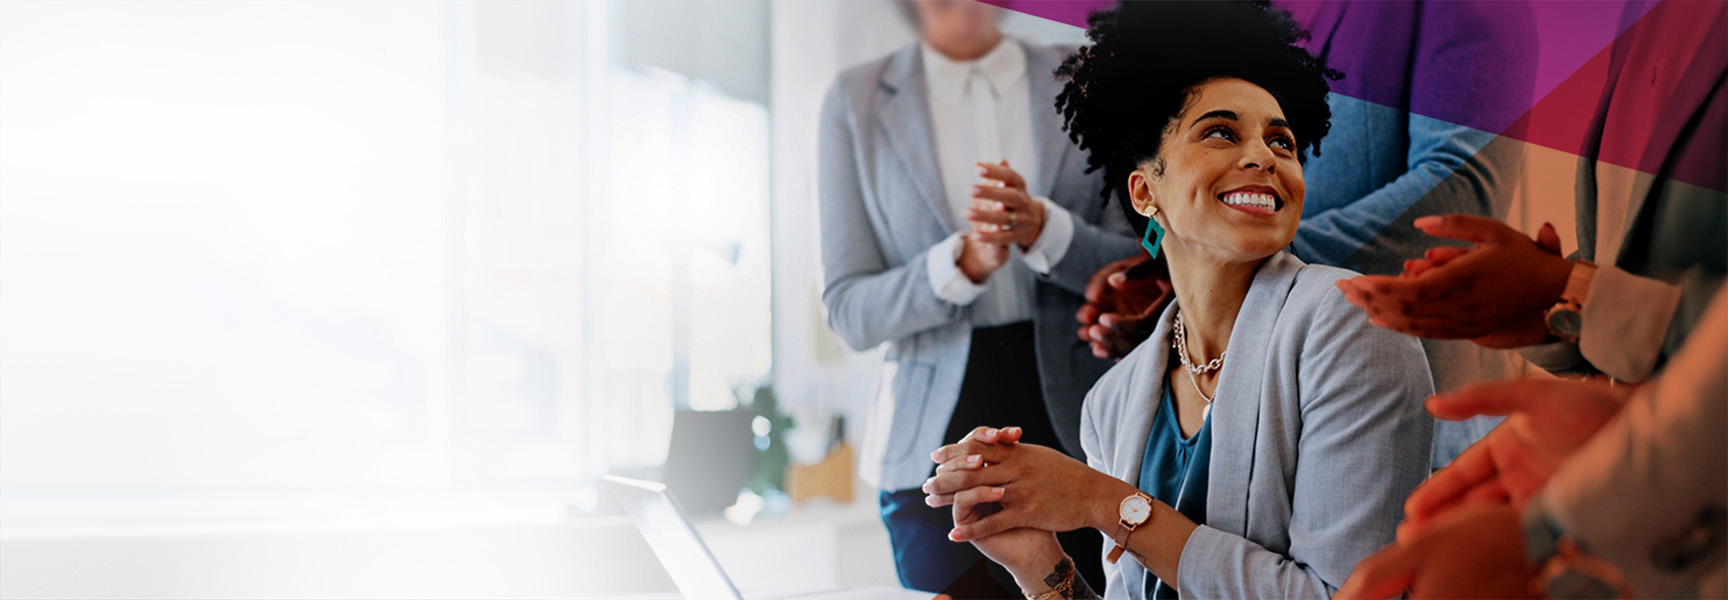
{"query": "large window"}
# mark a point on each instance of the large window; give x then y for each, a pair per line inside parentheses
(377, 260)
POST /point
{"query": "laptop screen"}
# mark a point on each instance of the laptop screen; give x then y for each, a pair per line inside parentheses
(673, 539)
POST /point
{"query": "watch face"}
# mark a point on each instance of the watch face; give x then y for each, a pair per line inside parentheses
(1135, 509)
(1566, 322)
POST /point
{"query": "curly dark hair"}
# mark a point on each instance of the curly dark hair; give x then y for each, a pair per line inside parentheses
(1125, 89)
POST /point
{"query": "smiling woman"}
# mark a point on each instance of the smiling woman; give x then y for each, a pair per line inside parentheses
(1243, 451)
(1237, 155)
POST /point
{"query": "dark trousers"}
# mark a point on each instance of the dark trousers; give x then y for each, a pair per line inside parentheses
(1001, 388)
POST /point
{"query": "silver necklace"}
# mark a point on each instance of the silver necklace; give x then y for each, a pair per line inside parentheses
(1181, 345)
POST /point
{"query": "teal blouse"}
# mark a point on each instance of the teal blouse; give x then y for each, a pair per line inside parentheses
(1174, 471)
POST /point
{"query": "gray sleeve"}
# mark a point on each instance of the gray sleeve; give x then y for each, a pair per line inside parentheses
(1363, 447)
(1093, 245)
(868, 301)
(1098, 445)
(1626, 318)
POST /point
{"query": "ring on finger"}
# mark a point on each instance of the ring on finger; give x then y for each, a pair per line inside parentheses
(1012, 220)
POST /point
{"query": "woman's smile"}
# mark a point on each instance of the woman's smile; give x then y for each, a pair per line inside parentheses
(1257, 200)
(1228, 184)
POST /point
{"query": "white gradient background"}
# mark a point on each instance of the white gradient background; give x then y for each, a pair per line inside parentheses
(319, 298)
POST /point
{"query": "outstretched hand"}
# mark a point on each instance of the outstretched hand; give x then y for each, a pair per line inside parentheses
(1547, 420)
(1494, 293)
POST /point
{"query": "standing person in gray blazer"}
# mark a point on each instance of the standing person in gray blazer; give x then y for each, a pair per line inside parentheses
(1264, 438)
(969, 271)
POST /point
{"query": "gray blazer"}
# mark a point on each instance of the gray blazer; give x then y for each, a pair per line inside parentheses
(1318, 436)
(883, 206)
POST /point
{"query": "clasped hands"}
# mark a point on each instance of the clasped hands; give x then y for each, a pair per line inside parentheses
(1010, 498)
(1002, 213)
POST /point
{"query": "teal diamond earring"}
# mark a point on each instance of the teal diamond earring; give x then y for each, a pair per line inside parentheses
(1154, 234)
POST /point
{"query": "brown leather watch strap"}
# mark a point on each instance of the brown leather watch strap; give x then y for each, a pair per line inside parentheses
(1125, 528)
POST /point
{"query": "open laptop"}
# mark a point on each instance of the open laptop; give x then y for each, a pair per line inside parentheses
(687, 559)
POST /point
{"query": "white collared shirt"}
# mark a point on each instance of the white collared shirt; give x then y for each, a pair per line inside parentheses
(1006, 296)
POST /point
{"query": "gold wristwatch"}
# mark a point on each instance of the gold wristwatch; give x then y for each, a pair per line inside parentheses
(1134, 511)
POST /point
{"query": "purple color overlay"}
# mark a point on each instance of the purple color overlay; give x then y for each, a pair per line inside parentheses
(1570, 33)
(1566, 35)
(1583, 49)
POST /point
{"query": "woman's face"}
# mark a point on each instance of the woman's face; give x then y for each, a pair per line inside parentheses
(955, 21)
(1231, 188)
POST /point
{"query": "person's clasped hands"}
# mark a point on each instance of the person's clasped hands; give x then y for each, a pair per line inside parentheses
(1494, 292)
(995, 483)
(1008, 498)
(1002, 213)
(1122, 298)
(1002, 204)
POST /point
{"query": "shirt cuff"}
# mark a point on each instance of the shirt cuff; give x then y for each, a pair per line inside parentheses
(1625, 321)
(951, 285)
(1052, 243)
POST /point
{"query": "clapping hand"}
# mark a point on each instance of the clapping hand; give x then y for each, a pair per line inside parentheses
(1473, 553)
(1494, 293)
(1547, 420)
(978, 258)
(1122, 303)
(1002, 212)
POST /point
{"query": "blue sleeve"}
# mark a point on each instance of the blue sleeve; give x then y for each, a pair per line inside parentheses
(1473, 63)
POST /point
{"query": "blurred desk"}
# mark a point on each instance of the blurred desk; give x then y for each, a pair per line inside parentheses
(819, 544)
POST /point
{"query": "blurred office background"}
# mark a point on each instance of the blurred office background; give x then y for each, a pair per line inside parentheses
(325, 298)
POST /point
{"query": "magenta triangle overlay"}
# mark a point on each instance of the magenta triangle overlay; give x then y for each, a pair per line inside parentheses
(1568, 34)
(1574, 43)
